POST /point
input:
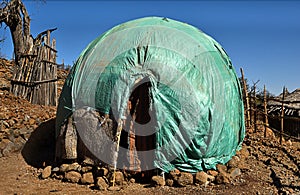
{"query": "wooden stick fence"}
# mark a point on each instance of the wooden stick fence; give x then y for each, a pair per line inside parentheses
(35, 78)
(252, 111)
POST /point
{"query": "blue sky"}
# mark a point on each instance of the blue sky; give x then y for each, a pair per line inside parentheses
(262, 37)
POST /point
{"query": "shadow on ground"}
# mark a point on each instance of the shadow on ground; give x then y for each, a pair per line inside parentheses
(39, 150)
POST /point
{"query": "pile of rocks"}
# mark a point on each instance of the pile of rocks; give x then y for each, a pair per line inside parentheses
(223, 174)
(18, 117)
(6, 69)
(88, 173)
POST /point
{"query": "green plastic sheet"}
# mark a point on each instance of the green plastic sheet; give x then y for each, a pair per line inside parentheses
(195, 93)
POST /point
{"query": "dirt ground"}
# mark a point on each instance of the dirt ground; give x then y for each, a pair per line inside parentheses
(268, 169)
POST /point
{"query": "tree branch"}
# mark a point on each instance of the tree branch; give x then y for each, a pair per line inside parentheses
(26, 20)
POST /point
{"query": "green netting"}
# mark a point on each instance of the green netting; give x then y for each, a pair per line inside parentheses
(195, 92)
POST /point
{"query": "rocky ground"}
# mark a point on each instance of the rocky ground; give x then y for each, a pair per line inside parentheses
(262, 166)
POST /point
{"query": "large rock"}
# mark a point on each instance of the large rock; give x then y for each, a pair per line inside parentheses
(201, 178)
(185, 179)
(101, 183)
(87, 178)
(72, 176)
(46, 172)
(158, 181)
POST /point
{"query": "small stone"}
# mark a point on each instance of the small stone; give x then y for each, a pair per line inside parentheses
(132, 180)
(8, 149)
(244, 153)
(201, 178)
(212, 173)
(234, 162)
(103, 171)
(114, 188)
(290, 190)
(31, 121)
(243, 165)
(101, 183)
(46, 172)
(270, 133)
(74, 167)
(170, 182)
(158, 181)
(86, 169)
(234, 172)
(59, 177)
(289, 143)
(72, 176)
(222, 179)
(87, 178)
(64, 168)
(185, 179)
(11, 122)
(46, 116)
(174, 174)
(55, 169)
(119, 178)
(26, 117)
(88, 161)
(5, 123)
(221, 168)
(4, 143)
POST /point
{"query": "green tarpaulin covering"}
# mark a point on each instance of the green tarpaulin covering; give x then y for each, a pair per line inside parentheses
(195, 99)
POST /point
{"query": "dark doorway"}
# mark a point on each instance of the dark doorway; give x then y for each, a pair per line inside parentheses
(141, 123)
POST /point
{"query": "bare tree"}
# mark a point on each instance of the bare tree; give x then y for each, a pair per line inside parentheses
(14, 14)
(35, 74)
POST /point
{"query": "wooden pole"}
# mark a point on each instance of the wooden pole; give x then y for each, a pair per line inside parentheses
(282, 115)
(266, 111)
(246, 98)
(255, 109)
(54, 75)
(118, 136)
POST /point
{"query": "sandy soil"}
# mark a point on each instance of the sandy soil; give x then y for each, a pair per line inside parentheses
(268, 169)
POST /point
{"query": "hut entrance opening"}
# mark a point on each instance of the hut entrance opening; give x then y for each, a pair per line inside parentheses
(140, 127)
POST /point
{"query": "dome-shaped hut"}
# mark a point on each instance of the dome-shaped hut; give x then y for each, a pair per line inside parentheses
(166, 90)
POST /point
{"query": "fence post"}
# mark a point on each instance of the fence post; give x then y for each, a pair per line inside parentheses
(266, 111)
(282, 115)
(246, 98)
(255, 108)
